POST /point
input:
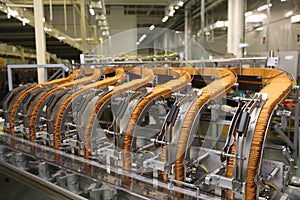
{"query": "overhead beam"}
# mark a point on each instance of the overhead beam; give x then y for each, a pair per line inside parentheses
(107, 2)
(137, 2)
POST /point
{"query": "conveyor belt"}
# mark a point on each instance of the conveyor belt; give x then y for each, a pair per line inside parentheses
(159, 90)
(132, 85)
(96, 75)
(219, 87)
(278, 87)
(108, 81)
(21, 97)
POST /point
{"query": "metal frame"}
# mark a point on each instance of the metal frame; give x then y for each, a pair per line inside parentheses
(52, 153)
(37, 183)
(93, 59)
(10, 67)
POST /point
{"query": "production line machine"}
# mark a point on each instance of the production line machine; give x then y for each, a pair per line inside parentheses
(157, 133)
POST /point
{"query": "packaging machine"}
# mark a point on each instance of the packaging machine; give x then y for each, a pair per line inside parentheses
(148, 132)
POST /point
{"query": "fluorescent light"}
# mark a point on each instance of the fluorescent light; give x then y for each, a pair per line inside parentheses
(137, 43)
(151, 27)
(165, 19)
(176, 7)
(247, 14)
(283, 0)
(295, 18)
(289, 13)
(264, 7)
(61, 37)
(180, 3)
(47, 29)
(25, 21)
(259, 28)
(220, 24)
(256, 18)
(11, 12)
(142, 37)
(105, 33)
(171, 13)
(243, 45)
(97, 4)
(104, 28)
(92, 11)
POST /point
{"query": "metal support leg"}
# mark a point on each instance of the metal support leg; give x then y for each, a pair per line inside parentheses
(9, 78)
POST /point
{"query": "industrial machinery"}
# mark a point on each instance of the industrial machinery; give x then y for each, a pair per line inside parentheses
(147, 132)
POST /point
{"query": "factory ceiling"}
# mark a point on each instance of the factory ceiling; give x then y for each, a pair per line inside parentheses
(13, 32)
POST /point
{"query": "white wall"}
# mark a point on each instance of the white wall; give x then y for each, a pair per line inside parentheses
(122, 41)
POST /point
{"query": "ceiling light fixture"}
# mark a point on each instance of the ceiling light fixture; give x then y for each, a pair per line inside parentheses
(171, 13)
(256, 18)
(25, 21)
(289, 13)
(180, 3)
(264, 7)
(92, 11)
(11, 12)
(151, 27)
(176, 7)
(243, 45)
(61, 37)
(105, 33)
(221, 24)
(97, 4)
(248, 13)
(259, 28)
(142, 38)
(165, 19)
(295, 19)
(47, 29)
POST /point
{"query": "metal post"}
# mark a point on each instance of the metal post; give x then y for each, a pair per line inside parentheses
(166, 43)
(203, 21)
(22, 56)
(65, 15)
(268, 26)
(40, 41)
(244, 27)
(187, 31)
(82, 26)
(51, 12)
(9, 78)
(74, 22)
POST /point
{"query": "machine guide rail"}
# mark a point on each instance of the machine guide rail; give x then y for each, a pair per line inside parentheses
(80, 166)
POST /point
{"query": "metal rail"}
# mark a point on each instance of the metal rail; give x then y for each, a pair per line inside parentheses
(138, 62)
(10, 67)
(37, 183)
